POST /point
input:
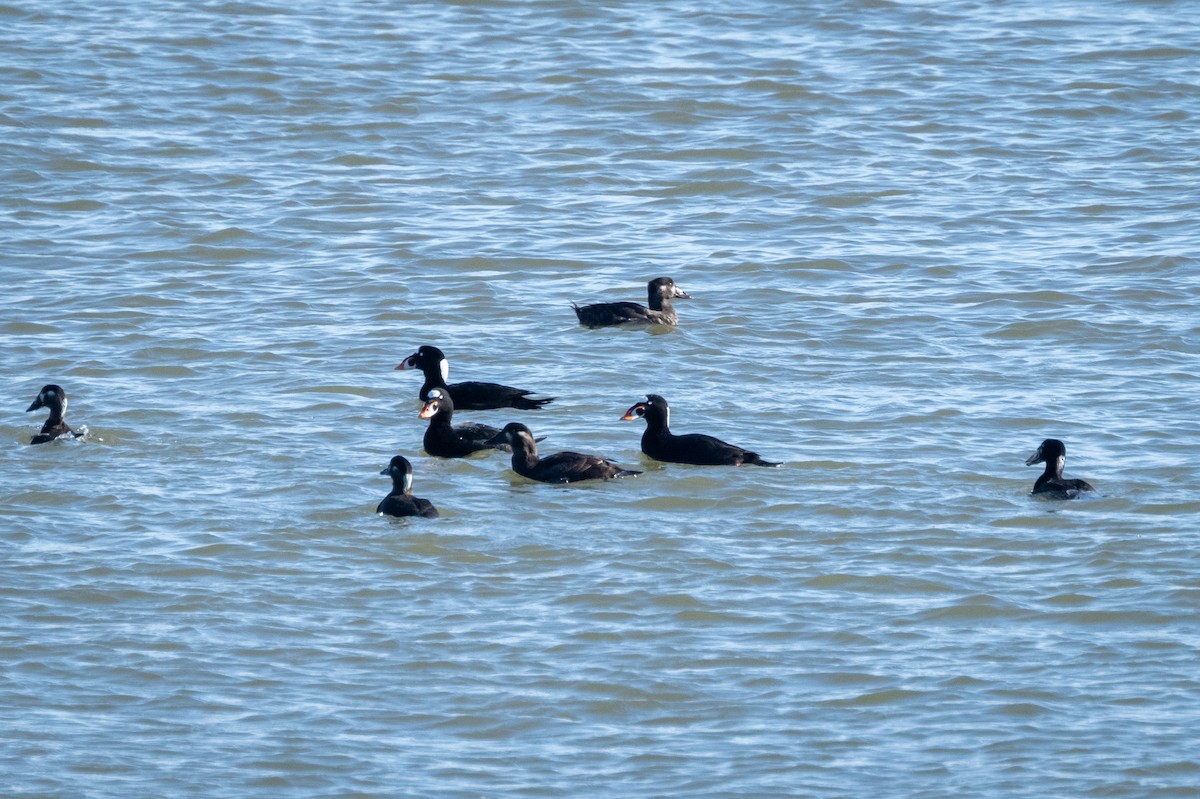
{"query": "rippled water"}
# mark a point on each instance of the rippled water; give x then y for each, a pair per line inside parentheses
(920, 237)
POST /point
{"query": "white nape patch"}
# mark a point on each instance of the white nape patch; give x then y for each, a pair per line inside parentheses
(408, 482)
(1062, 462)
(444, 366)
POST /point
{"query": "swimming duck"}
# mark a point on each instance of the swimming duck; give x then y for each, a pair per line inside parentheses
(561, 467)
(1052, 484)
(661, 444)
(54, 398)
(661, 290)
(471, 395)
(401, 502)
(445, 440)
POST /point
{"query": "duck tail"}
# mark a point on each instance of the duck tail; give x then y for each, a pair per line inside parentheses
(529, 403)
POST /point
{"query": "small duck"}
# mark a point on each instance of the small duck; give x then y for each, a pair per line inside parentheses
(1052, 484)
(401, 502)
(54, 398)
(662, 291)
(469, 396)
(561, 467)
(444, 440)
(696, 448)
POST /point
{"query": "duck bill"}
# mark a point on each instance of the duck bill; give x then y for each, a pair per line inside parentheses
(386, 470)
(37, 403)
(680, 294)
(631, 415)
(407, 363)
(429, 410)
(1034, 458)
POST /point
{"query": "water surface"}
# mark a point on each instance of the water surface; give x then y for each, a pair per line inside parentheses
(920, 237)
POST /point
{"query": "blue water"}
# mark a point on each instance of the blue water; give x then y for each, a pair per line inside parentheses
(920, 238)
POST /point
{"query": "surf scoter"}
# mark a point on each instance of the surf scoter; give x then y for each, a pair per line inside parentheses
(54, 398)
(661, 444)
(561, 467)
(1052, 484)
(471, 395)
(401, 502)
(446, 440)
(661, 312)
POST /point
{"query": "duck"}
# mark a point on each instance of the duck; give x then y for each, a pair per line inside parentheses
(471, 395)
(401, 502)
(445, 440)
(561, 467)
(661, 444)
(53, 397)
(661, 290)
(1052, 484)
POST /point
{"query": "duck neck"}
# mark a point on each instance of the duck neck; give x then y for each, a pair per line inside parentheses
(657, 427)
(524, 457)
(57, 414)
(442, 419)
(658, 430)
(433, 379)
(1054, 468)
(1053, 471)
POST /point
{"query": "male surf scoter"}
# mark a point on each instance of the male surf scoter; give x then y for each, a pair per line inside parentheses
(54, 398)
(1052, 484)
(446, 440)
(561, 467)
(661, 444)
(469, 396)
(401, 502)
(661, 312)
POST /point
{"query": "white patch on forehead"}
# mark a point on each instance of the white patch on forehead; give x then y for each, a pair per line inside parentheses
(444, 366)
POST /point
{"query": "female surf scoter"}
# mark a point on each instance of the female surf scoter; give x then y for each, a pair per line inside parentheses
(661, 312)
(469, 396)
(54, 398)
(401, 502)
(445, 440)
(1052, 484)
(561, 467)
(661, 444)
